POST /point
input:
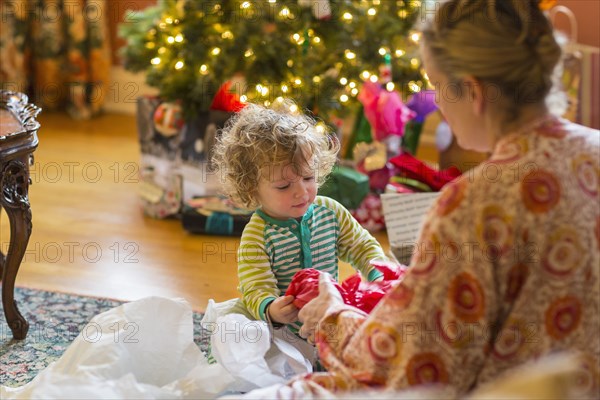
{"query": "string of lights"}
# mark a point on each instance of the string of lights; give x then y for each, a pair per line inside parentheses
(317, 52)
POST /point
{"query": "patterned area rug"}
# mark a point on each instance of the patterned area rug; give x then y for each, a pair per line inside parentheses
(55, 320)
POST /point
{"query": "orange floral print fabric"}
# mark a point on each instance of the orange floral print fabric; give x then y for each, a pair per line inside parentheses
(507, 269)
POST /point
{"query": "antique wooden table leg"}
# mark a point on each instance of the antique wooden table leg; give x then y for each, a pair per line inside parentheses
(14, 186)
(1, 264)
(1, 244)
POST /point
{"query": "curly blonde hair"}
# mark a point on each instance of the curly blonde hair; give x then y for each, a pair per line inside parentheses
(258, 137)
(509, 44)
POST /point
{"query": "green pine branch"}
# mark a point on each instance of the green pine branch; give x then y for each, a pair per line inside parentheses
(187, 48)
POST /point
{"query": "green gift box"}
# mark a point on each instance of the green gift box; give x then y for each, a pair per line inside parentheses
(347, 186)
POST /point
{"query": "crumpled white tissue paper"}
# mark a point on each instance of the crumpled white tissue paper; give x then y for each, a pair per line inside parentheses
(145, 350)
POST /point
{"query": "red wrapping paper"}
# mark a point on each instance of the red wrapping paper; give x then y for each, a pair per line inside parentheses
(305, 286)
(354, 291)
(413, 168)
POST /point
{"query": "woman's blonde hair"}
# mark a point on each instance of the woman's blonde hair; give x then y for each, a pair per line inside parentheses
(508, 44)
(259, 137)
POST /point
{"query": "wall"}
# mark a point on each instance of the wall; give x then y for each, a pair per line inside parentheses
(587, 14)
(119, 11)
(126, 86)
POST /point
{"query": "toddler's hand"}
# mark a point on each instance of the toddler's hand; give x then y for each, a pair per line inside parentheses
(282, 310)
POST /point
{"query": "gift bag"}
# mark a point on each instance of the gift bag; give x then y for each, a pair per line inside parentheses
(176, 152)
(159, 129)
(200, 133)
(198, 138)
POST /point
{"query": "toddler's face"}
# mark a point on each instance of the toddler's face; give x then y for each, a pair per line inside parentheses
(286, 190)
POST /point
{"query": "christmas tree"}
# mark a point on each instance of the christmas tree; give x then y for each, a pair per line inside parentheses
(317, 52)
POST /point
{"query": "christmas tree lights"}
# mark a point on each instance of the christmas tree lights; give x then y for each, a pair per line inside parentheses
(317, 52)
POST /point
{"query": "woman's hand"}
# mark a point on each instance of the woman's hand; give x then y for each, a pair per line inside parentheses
(329, 298)
(282, 310)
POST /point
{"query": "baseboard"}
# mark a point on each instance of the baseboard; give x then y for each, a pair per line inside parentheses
(124, 89)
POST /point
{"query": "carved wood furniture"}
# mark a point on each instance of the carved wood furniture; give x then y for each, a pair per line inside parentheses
(18, 140)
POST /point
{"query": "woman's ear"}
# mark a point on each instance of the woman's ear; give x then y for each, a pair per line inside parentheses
(476, 94)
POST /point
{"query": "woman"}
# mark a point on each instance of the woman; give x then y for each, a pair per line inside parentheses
(507, 265)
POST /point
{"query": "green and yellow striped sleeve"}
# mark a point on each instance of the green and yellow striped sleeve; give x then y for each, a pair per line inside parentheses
(257, 283)
(355, 244)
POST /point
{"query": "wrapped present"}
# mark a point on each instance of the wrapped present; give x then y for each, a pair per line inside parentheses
(201, 131)
(160, 200)
(379, 178)
(199, 136)
(176, 151)
(159, 129)
(213, 215)
(174, 156)
(370, 213)
(370, 156)
(347, 186)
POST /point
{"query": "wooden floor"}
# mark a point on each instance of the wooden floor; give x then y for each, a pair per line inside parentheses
(89, 234)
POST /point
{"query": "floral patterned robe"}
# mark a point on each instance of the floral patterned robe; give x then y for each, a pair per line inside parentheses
(506, 270)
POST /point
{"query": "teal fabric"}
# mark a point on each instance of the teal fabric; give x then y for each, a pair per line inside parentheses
(219, 223)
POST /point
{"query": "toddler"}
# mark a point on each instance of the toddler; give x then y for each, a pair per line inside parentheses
(273, 161)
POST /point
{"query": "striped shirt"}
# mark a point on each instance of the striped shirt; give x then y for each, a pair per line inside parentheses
(272, 251)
